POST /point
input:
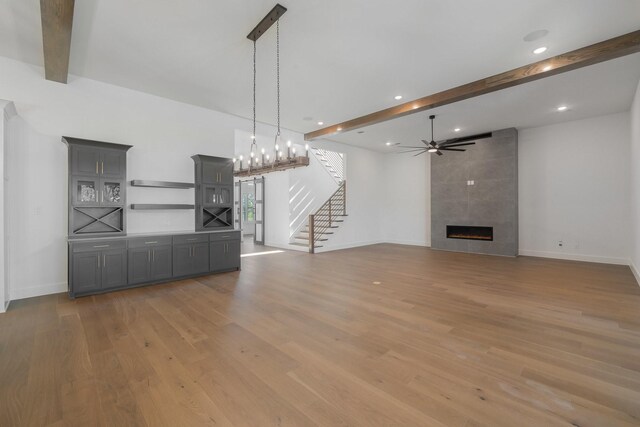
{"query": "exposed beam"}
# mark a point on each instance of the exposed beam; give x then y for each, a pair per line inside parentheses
(596, 53)
(57, 20)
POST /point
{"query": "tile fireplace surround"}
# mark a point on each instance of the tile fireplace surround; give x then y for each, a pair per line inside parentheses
(477, 188)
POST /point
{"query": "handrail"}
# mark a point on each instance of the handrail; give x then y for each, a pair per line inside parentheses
(322, 219)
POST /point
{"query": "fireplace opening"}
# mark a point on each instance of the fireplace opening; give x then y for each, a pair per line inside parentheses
(469, 232)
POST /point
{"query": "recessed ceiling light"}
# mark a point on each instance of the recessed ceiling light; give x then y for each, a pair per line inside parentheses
(540, 50)
(456, 130)
(339, 129)
(562, 108)
(397, 97)
(320, 123)
(547, 68)
(388, 143)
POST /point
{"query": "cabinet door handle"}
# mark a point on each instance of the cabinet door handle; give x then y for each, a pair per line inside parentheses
(149, 256)
(101, 246)
(102, 195)
(153, 255)
(96, 167)
(102, 168)
(104, 261)
(150, 243)
(98, 261)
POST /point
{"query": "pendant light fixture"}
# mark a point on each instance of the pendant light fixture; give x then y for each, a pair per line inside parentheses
(279, 162)
(254, 146)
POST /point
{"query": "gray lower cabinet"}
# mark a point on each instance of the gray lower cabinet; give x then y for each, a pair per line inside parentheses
(97, 266)
(150, 260)
(190, 255)
(224, 255)
(100, 265)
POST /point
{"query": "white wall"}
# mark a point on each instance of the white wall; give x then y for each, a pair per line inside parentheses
(635, 185)
(407, 197)
(574, 186)
(8, 112)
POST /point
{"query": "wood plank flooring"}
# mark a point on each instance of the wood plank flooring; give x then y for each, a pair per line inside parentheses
(385, 335)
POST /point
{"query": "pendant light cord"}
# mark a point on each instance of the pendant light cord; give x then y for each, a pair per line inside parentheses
(278, 69)
(253, 139)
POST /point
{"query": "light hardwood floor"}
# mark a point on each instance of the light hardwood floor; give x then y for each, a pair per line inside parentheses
(382, 335)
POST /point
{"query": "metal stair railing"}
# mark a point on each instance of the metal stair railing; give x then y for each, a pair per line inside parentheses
(327, 214)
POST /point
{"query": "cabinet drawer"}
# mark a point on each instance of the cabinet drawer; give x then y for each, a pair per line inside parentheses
(228, 235)
(143, 242)
(190, 238)
(98, 245)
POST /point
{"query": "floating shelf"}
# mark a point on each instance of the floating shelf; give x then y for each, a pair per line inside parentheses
(161, 184)
(158, 206)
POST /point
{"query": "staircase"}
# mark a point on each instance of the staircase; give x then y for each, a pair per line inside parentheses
(323, 222)
(332, 161)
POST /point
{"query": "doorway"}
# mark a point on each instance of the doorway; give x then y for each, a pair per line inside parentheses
(249, 201)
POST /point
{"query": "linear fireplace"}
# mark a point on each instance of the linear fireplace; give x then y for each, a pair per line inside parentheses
(469, 232)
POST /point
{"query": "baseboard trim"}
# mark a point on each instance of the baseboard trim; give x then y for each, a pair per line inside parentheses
(574, 257)
(37, 291)
(635, 272)
(348, 246)
(409, 243)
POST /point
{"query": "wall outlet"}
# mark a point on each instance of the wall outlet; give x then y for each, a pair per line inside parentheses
(560, 243)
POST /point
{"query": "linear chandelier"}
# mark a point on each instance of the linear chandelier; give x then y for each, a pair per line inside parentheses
(265, 163)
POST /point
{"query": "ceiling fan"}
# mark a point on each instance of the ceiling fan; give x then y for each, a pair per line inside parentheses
(447, 145)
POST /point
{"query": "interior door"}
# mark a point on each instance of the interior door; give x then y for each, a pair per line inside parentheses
(258, 185)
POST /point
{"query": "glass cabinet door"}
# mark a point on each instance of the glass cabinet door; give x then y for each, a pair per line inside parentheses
(111, 194)
(215, 195)
(225, 195)
(85, 191)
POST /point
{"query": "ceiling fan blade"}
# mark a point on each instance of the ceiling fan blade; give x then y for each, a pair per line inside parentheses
(409, 151)
(451, 149)
(439, 153)
(410, 146)
(458, 144)
(424, 151)
(465, 138)
(424, 142)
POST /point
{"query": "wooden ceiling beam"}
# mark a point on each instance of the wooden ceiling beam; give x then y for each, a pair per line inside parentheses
(600, 52)
(57, 20)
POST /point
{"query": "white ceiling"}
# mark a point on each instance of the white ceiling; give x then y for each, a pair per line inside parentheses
(340, 58)
(600, 89)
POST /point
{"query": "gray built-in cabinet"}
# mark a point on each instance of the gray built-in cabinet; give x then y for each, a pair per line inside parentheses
(97, 187)
(106, 264)
(103, 258)
(214, 193)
